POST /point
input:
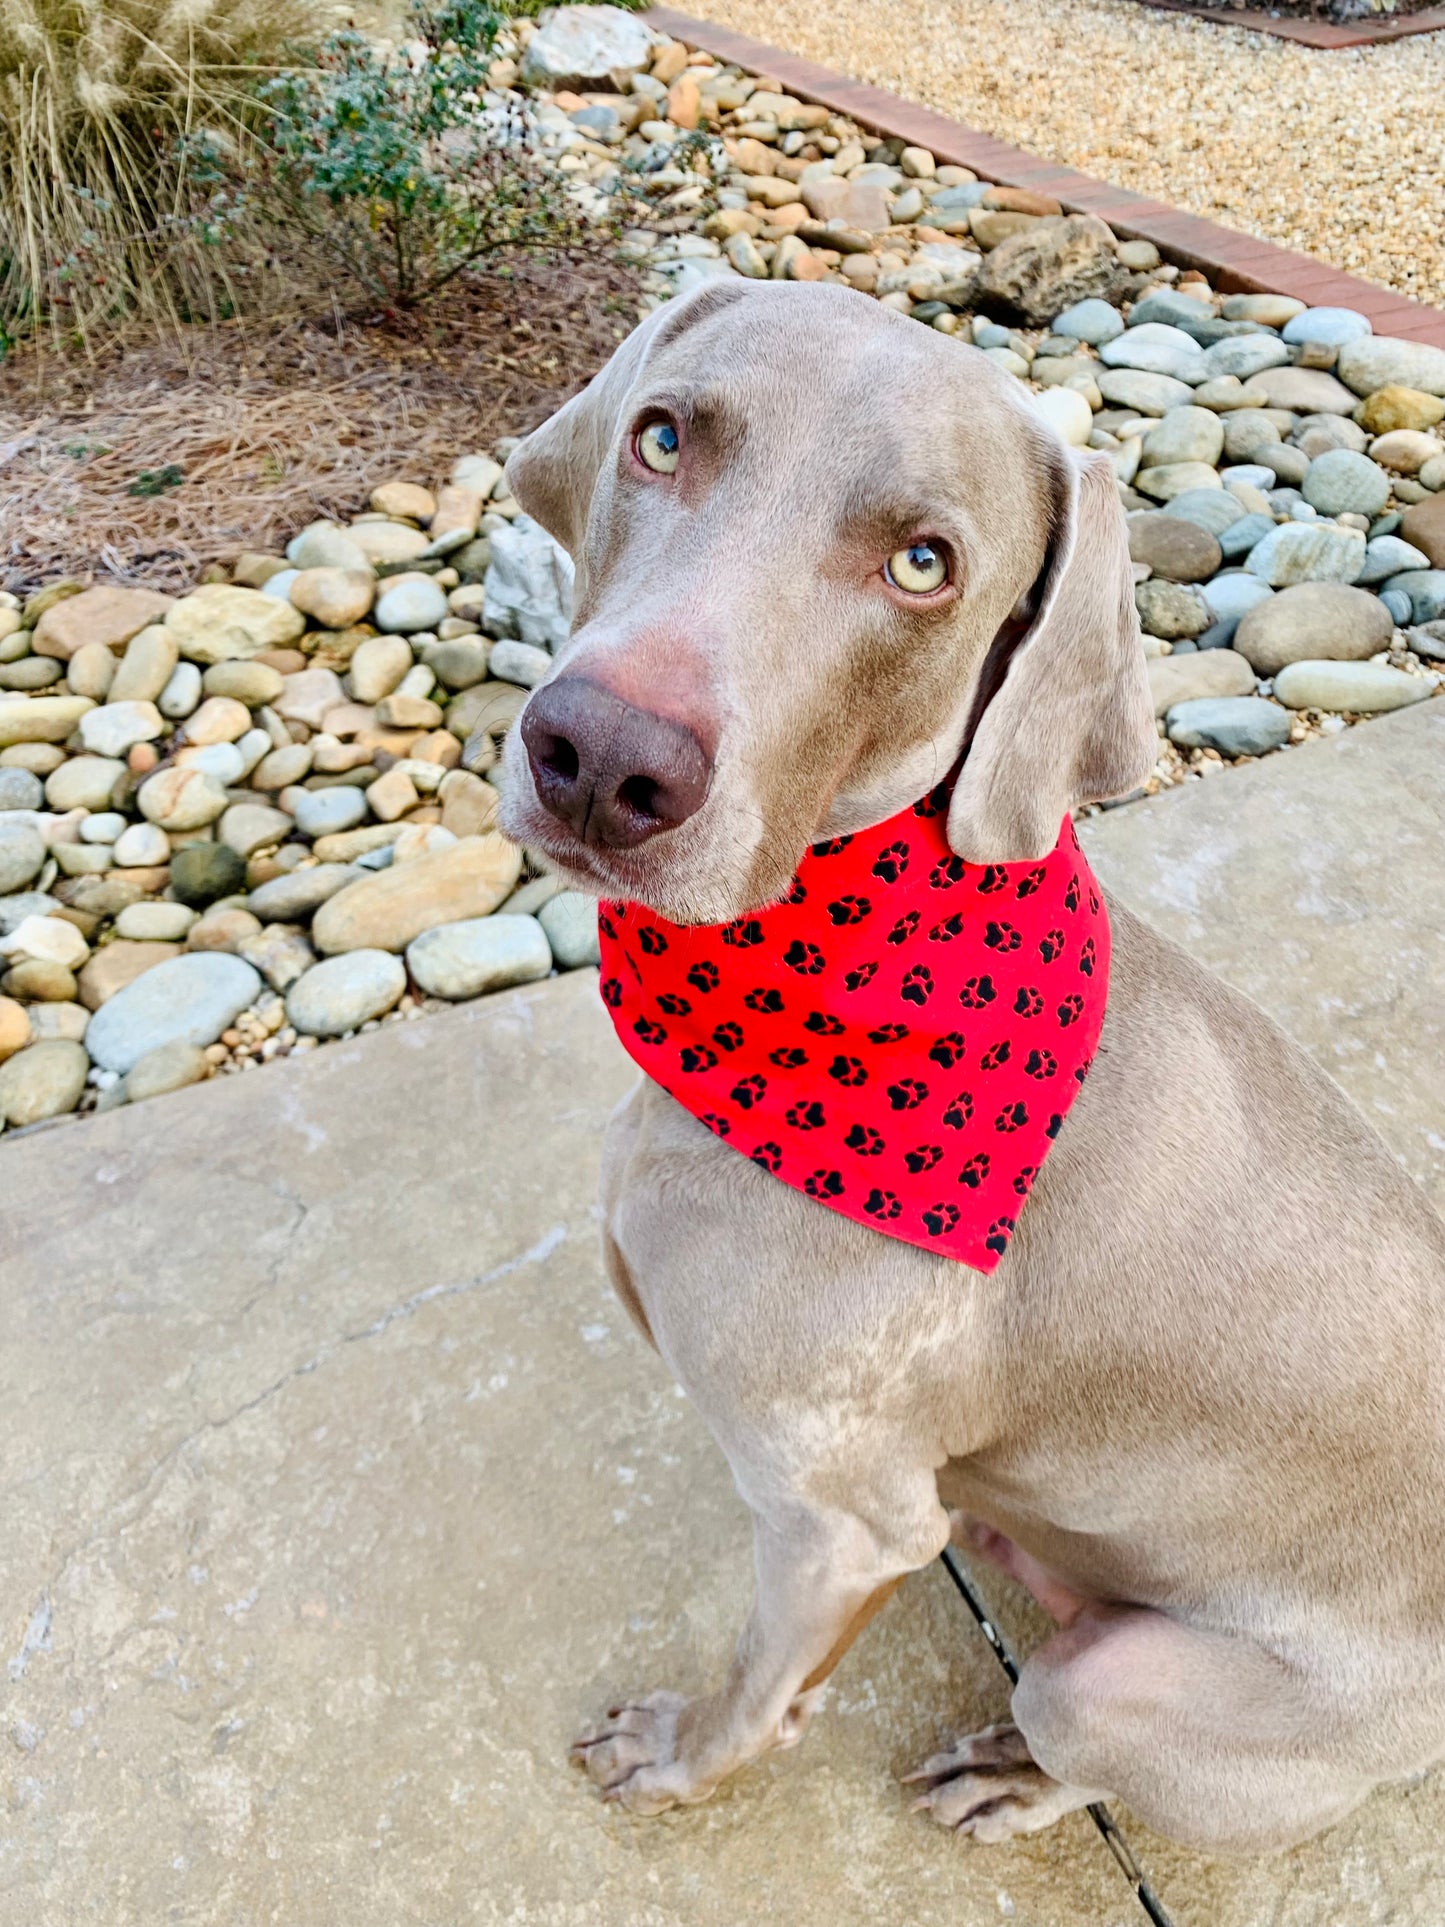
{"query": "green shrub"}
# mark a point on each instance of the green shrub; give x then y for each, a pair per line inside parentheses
(386, 160)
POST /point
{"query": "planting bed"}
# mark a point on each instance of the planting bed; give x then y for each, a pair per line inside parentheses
(241, 819)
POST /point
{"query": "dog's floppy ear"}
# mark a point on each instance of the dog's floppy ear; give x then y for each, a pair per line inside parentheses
(1063, 715)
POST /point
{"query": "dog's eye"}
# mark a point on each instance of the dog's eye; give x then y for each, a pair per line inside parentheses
(657, 447)
(917, 570)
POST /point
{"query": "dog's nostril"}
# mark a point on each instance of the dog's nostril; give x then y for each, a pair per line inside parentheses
(639, 794)
(560, 759)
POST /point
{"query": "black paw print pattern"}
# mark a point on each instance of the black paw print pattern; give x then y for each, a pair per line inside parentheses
(874, 1124)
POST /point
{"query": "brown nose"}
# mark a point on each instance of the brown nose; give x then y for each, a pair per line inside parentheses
(614, 774)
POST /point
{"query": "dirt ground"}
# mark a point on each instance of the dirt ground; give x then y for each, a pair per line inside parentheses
(165, 451)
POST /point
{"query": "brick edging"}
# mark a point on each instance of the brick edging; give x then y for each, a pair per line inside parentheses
(1235, 263)
(1323, 35)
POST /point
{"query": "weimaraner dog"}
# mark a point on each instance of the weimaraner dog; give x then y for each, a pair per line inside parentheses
(1199, 1407)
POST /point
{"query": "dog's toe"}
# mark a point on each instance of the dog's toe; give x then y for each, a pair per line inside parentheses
(631, 1756)
(987, 1786)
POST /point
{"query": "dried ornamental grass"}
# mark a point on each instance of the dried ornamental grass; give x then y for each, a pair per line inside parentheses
(105, 104)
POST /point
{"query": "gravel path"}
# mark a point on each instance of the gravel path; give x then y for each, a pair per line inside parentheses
(1338, 154)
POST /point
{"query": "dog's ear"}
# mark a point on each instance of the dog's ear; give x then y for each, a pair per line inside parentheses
(1063, 714)
(555, 471)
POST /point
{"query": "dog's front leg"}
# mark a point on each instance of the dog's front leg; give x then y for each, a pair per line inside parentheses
(820, 1577)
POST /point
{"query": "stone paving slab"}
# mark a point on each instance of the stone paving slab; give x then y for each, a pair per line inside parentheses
(338, 1490)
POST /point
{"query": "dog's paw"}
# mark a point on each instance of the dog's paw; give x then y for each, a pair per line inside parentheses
(988, 1787)
(632, 1756)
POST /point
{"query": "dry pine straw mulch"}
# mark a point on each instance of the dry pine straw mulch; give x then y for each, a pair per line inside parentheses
(274, 424)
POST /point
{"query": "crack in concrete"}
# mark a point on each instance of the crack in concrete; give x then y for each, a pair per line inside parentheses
(133, 1502)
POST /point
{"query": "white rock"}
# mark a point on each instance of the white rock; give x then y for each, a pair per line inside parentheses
(45, 940)
(586, 46)
(1066, 412)
(155, 922)
(114, 728)
(182, 693)
(483, 953)
(413, 604)
(342, 993)
(142, 846)
(529, 586)
(189, 999)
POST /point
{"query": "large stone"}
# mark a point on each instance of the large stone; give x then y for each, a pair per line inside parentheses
(181, 799)
(480, 954)
(147, 666)
(1184, 435)
(1341, 482)
(202, 873)
(1157, 349)
(1423, 526)
(1308, 552)
(295, 898)
(586, 48)
(110, 970)
(1173, 548)
(1305, 391)
(529, 586)
(1359, 688)
(1053, 265)
(1313, 619)
(386, 911)
(41, 719)
(1234, 725)
(22, 855)
(411, 605)
(343, 993)
(1149, 394)
(186, 1000)
(570, 921)
(1397, 407)
(1206, 672)
(1332, 327)
(1380, 361)
(107, 615)
(221, 623)
(335, 598)
(1171, 610)
(45, 1080)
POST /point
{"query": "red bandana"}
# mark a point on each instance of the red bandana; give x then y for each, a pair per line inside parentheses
(900, 1038)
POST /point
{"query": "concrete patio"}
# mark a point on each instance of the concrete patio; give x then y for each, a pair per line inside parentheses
(338, 1491)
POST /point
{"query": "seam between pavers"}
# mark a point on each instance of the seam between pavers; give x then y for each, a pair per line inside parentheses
(1322, 35)
(1236, 263)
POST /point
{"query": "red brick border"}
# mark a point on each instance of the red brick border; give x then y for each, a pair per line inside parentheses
(1235, 263)
(1323, 35)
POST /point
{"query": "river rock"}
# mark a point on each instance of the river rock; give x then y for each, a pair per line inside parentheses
(386, 544)
(1177, 478)
(14, 1027)
(1379, 361)
(181, 799)
(377, 667)
(529, 586)
(113, 728)
(587, 48)
(1387, 555)
(1205, 672)
(1320, 620)
(146, 667)
(570, 921)
(1308, 552)
(410, 605)
(1066, 412)
(1157, 349)
(295, 898)
(157, 922)
(170, 1067)
(248, 827)
(1244, 356)
(343, 993)
(107, 615)
(1341, 482)
(1234, 725)
(1425, 589)
(1406, 450)
(386, 911)
(201, 873)
(326, 812)
(40, 719)
(1331, 326)
(1400, 408)
(22, 789)
(112, 969)
(22, 855)
(1149, 394)
(1184, 435)
(1173, 548)
(221, 623)
(45, 1080)
(1051, 266)
(84, 783)
(1304, 391)
(1093, 321)
(189, 999)
(1423, 527)
(1361, 688)
(1171, 610)
(479, 954)
(181, 693)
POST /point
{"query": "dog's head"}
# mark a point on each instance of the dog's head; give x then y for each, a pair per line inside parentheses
(820, 551)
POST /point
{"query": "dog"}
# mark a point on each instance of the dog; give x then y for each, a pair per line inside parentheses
(1197, 1406)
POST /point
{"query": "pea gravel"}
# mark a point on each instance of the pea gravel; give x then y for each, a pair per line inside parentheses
(1337, 154)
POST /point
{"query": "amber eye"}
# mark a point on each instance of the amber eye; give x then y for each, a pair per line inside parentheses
(917, 570)
(657, 447)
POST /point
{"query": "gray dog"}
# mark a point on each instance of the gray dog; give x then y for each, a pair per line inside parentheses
(1202, 1421)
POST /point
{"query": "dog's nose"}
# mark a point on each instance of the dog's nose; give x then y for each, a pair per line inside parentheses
(613, 773)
